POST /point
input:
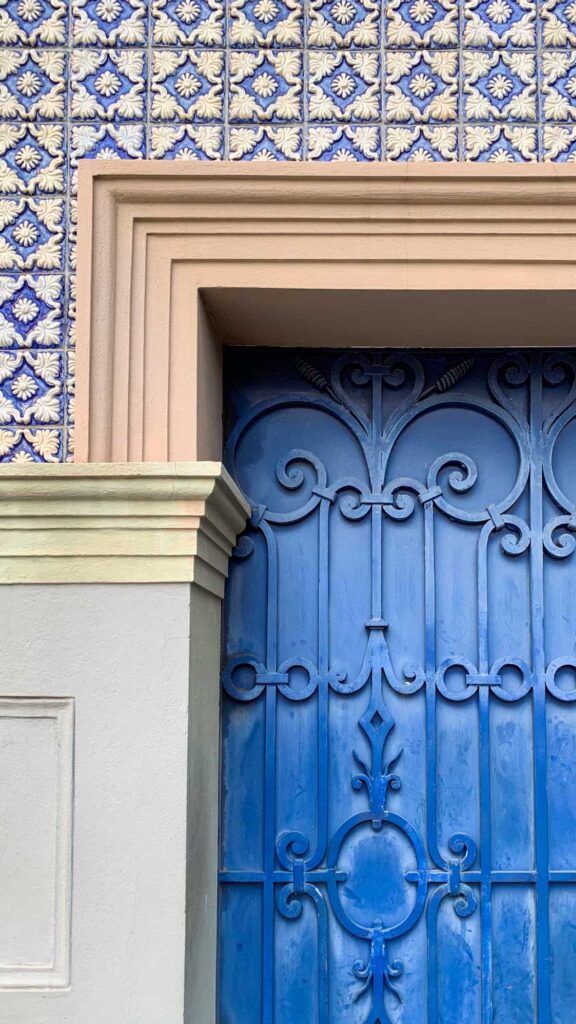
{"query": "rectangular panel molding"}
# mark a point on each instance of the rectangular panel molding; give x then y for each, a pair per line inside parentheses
(36, 811)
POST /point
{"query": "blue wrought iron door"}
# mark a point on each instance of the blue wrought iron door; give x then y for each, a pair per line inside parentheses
(398, 807)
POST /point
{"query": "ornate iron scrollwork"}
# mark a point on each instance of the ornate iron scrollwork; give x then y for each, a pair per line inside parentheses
(295, 869)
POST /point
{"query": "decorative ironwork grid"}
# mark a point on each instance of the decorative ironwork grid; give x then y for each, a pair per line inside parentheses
(378, 400)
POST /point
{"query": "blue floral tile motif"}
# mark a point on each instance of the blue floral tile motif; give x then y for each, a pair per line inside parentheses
(31, 234)
(187, 142)
(501, 144)
(104, 142)
(344, 86)
(26, 445)
(31, 158)
(32, 85)
(266, 143)
(31, 311)
(560, 143)
(70, 388)
(344, 143)
(425, 23)
(500, 23)
(418, 143)
(422, 86)
(31, 388)
(559, 85)
(500, 86)
(188, 22)
(344, 23)
(187, 85)
(109, 22)
(266, 22)
(33, 22)
(108, 84)
(265, 85)
(558, 22)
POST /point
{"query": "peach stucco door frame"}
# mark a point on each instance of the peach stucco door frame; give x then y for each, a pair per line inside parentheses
(175, 261)
(154, 238)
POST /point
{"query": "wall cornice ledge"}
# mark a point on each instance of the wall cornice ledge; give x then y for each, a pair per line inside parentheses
(119, 523)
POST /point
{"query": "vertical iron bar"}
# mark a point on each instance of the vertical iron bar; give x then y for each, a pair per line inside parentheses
(270, 781)
(431, 795)
(539, 691)
(323, 766)
(485, 801)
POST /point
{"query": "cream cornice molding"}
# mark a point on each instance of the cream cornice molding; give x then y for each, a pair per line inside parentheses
(110, 523)
(153, 236)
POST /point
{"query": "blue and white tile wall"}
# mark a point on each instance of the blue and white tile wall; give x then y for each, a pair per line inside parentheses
(242, 80)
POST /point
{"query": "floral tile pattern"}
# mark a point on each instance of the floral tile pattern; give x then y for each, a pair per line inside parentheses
(109, 22)
(558, 23)
(187, 85)
(422, 23)
(346, 23)
(344, 86)
(33, 84)
(107, 84)
(266, 23)
(319, 80)
(31, 311)
(346, 143)
(500, 23)
(265, 85)
(33, 23)
(272, 142)
(500, 86)
(422, 143)
(422, 86)
(32, 158)
(188, 22)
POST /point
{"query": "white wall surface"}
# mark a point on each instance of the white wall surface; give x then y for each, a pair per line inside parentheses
(94, 686)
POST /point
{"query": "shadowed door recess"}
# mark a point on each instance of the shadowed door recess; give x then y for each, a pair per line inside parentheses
(399, 733)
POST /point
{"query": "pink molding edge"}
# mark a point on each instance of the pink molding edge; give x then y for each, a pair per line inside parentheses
(153, 236)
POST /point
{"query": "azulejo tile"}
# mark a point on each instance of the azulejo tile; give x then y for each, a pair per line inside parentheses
(500, 23)
(418, 143)
(187, 85)
(422, 86)
(70, 388)
(31, 310)
(265, 85)
(344, 143)
(31, 234)
(501, 144)
(31, 388)
(33, 22)
(32, 85)
(186, 142)
(72, 236)
(266, 143)
(560, 143)
(71, 318)
(500, 86)
(27, 445)
(104, 142)
(188, 22)
(422, 23)
(558, 22)
(559, 85)
(344, 86)
(266, 22)
(109, 22)
(108, 84)
(31, 158)
(345, 23)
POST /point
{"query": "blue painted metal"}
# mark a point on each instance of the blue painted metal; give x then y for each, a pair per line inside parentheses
(399, 732)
